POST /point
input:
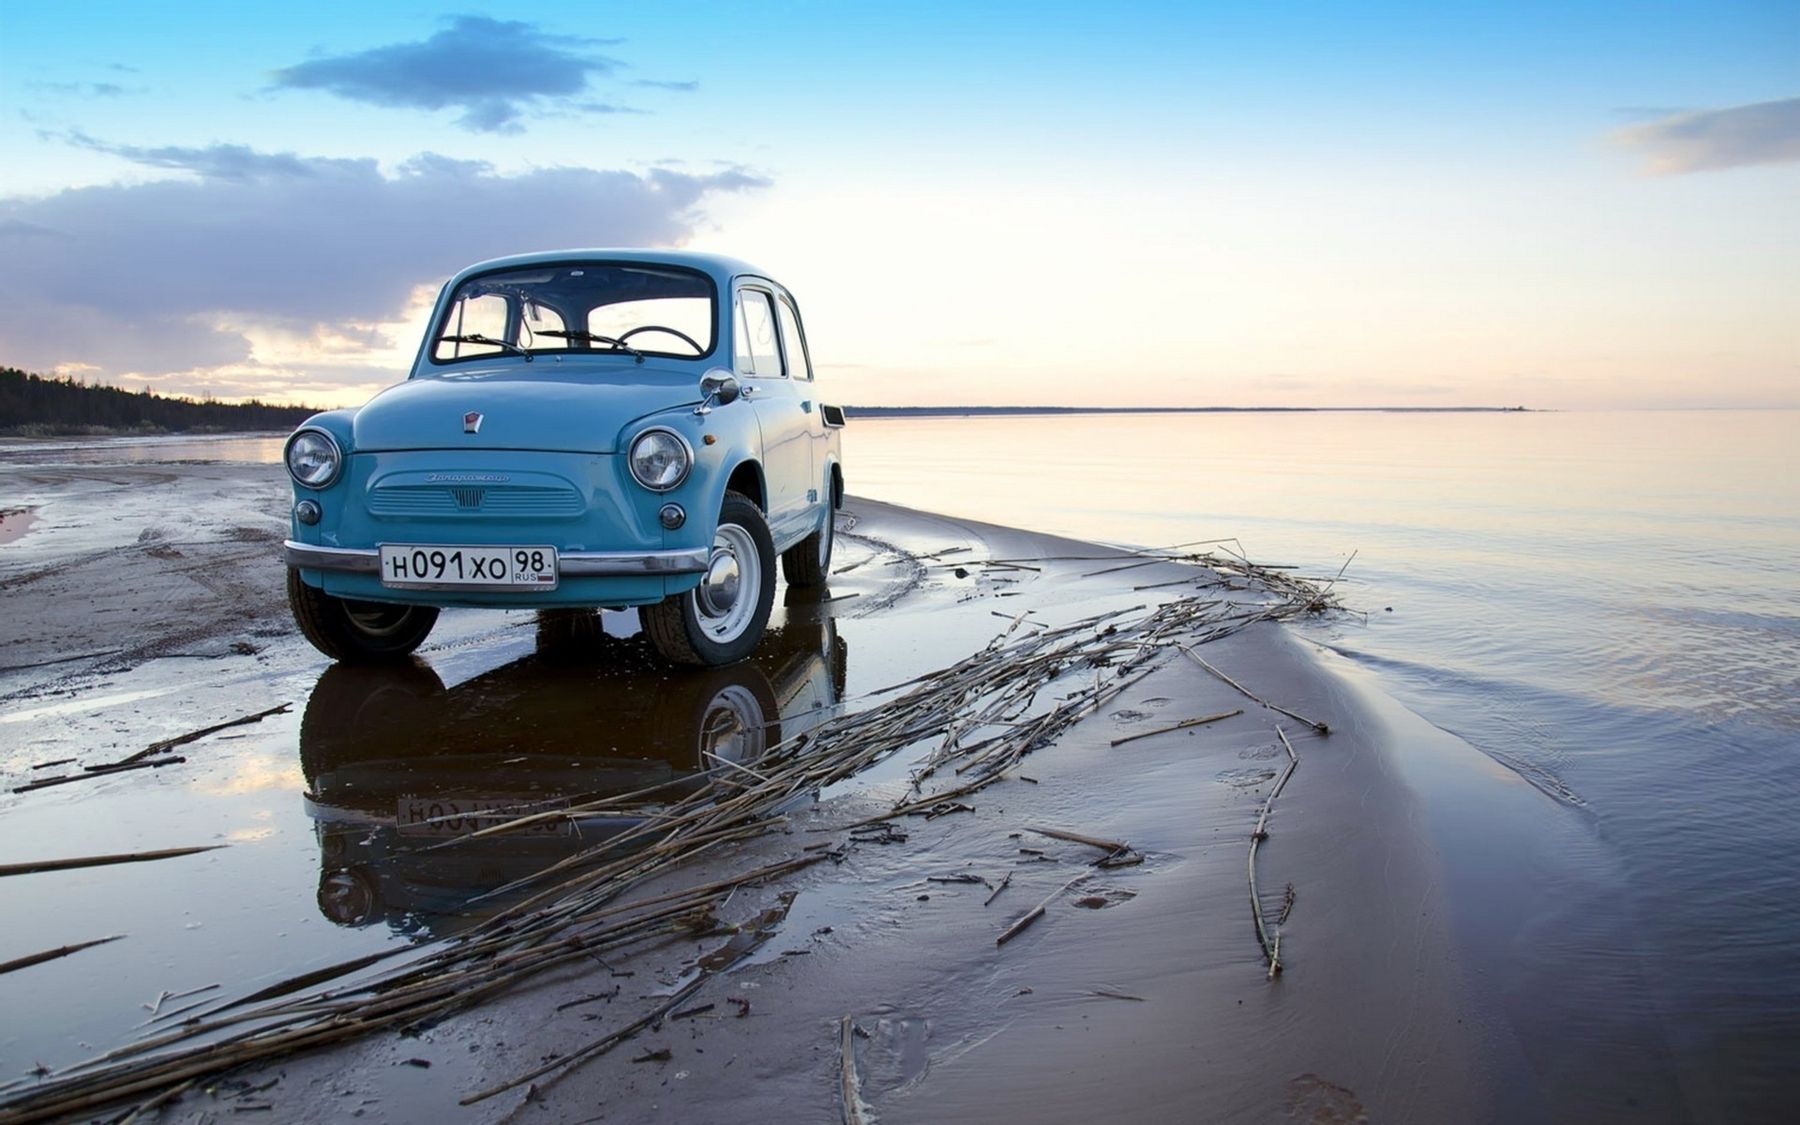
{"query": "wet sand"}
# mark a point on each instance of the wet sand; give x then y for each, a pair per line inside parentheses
(144, 602)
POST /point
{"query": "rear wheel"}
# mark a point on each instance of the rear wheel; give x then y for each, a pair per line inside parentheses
(357, 632)
(722, 619)
(807, 564)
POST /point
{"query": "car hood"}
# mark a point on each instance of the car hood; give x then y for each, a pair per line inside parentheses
(543, 405)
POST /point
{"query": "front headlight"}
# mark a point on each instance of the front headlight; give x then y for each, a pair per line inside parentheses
(660, 459)
(313, 459)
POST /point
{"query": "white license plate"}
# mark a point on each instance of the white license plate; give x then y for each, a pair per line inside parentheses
(462, 816)
(407, 566)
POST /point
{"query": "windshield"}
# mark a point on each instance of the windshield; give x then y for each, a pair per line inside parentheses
(579, 307)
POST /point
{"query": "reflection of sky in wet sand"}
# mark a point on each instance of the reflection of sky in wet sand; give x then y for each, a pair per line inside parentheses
(301, 795)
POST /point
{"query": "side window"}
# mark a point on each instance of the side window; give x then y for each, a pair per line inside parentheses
(740, 358)
(474, 316)
(793, 344)
(758, 330)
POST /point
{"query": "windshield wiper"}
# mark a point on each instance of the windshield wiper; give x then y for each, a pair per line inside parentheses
(578, 334)
(478, 338)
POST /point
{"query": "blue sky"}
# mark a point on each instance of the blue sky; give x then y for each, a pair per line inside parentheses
(1158, 204)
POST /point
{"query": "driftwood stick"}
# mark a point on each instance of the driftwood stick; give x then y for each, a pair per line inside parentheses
(1004, 883)
(101, 860)
(52, 954)
(1184, 725)
(848, 1084)
(1108, 846)
(99, 771)
(1037, 911)
(1252, 696)
(194, 735)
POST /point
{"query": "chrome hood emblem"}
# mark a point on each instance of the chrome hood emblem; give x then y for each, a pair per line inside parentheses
(472, 422)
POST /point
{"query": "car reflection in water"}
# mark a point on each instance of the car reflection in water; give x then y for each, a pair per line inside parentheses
(396, 764)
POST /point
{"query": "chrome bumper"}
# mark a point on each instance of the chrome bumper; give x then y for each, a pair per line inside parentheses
(570, 564)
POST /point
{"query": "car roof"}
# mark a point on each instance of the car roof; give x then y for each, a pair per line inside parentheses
(717, 266)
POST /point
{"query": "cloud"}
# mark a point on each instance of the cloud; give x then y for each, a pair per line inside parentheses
(223, 162)
(686, 87)
(1762, 133)
(228, 267)
(492, 70)
(83, 89)
(17, 228)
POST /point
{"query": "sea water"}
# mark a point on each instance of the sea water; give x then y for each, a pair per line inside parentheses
(1606, 604)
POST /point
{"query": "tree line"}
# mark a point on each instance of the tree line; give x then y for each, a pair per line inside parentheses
(40, 406)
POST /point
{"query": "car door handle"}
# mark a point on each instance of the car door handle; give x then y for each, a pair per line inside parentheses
(806, 405)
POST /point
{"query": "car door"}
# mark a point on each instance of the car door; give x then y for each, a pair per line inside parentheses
(781, 412)
(800, 374)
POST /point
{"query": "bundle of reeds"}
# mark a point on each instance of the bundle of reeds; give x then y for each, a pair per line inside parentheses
(980, 717)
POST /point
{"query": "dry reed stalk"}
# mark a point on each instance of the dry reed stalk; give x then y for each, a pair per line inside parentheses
(1183, 725)
(1271, 946)
(156, 748)
(1037, 911)
(1248, 694)
(31, 959)
(101, 860)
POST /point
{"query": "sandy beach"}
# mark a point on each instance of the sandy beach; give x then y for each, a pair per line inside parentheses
(144, 603)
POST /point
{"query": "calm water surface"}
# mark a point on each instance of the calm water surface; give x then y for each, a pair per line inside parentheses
(1606, 603)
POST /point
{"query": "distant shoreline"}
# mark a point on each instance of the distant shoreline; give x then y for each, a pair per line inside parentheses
(987, 411)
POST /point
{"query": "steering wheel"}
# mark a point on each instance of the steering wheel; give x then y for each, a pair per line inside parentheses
(691, 342)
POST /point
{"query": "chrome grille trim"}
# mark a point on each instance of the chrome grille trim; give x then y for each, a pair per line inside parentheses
(464, 500)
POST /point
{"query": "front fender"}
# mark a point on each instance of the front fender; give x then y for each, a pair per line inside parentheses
(340, 424)
(726, 442)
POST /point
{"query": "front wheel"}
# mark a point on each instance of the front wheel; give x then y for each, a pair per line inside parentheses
(357, 632)
(721, 620)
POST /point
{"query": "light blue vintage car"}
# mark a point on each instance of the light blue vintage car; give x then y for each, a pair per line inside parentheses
(586, 428)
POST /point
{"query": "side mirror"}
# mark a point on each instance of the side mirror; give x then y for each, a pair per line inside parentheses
(720, 388)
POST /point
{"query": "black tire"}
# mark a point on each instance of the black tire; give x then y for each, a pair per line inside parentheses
(360, 713)
(357, 632)
(807, 564)
(712, 625)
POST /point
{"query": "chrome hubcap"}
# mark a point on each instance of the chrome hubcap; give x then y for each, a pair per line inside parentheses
(374, 619)
(727, 597)
(733, 728)
(719, 589)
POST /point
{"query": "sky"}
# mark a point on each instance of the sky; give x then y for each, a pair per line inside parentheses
(1142, 204)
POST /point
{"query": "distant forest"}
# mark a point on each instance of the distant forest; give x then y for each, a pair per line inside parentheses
(35, 406)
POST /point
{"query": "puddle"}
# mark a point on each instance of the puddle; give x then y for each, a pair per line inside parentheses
(351, 818)
(15, 522)
(401, 771)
